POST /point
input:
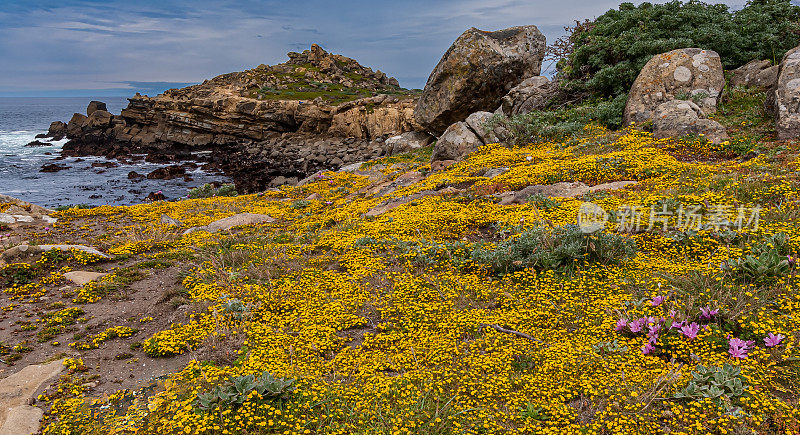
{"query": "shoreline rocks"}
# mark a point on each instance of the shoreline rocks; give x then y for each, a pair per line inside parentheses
(257, 125)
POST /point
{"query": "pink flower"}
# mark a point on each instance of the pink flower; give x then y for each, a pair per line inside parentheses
(648, 348)
(636, 325)
(678, 325)
(672, 314)
(772, 340)
(690, 331)
(652, 334)
(658, 300)
(738, 348)
(621, 324)
(706, 313)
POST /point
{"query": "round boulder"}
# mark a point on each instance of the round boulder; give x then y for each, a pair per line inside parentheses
(476, 72)
(678, 118)
(456, 142)
(687, 73)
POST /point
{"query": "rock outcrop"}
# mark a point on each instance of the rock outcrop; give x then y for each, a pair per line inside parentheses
(464, 137)
(757, 73)
(787, 96)
(679, 118)
(408, 141)
(532, 94)
(316, 111)
(688, 73)
(476, 72)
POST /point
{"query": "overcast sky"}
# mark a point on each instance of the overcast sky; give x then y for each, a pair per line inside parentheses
(118, 47)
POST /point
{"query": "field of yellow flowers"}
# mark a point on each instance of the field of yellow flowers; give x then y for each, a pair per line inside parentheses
(453, 313)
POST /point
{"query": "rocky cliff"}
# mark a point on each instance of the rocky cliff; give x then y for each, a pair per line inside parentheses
(316, 111)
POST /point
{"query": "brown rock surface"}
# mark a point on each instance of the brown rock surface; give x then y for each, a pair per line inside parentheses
(317, 111)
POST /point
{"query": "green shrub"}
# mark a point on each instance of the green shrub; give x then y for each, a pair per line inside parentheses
(767, 261)
(608, 53)
(559, 125)
(237, 390)
(209, 191)
(720, 384)
(559, 248)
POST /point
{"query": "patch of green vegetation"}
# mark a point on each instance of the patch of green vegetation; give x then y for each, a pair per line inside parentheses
(78, 206)
(209, 191)
(560, 124)
(605, 56)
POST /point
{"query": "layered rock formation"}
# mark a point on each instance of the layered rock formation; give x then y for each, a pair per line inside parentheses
(316, 111)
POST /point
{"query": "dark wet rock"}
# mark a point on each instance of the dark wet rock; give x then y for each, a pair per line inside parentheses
(104, 165)
(53, 167)
(37, 144)
(167, 173)
(156, 196)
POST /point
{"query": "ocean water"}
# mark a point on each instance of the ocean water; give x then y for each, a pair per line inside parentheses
(21, 119)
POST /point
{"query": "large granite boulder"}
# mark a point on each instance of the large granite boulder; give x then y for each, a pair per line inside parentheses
(678, 118)
(456, 142)
(787, 96)
(687, 73)
(532, 94)
(757, 73)
(408, 141)
(476, 72)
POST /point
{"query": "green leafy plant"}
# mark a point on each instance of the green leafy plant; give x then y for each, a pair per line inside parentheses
(209, 191)
(609, 347)
(534, 412)
(723, 385)
(560, 248)
(767, 261)
(238, 389)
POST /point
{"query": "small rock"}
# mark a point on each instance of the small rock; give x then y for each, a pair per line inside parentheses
(236, 220)
(81, 277)
(53, 167)
(457, 142)
(170, 221)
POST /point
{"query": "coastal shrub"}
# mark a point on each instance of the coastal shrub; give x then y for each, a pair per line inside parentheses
(607, 54)
(560, 124)
(239, 389)
(559, 248)
(767, 261)
(209, 191)
(719, 384)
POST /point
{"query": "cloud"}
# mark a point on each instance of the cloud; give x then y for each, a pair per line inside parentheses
(85, 45)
